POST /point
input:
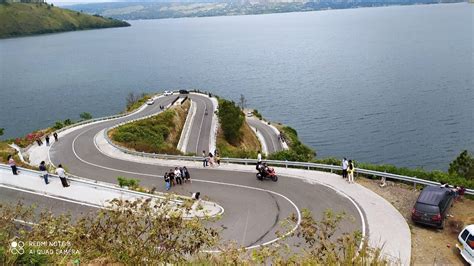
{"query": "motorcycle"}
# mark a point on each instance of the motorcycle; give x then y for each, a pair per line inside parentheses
(265, 172)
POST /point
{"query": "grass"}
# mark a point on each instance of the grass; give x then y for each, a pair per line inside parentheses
(246, 148)
(139, 103)
(6, 150)
(20, 19)
(297, 150)
(157, 134)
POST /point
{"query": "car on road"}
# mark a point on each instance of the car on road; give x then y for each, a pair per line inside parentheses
(466, 243)
(168, 93)
(249, 114)
(183, 92)
(150, 101)
(432, 206)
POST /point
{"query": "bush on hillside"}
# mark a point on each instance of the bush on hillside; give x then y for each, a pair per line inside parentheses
(231, 120)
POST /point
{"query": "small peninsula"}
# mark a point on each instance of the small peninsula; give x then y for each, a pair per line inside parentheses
(37, 17)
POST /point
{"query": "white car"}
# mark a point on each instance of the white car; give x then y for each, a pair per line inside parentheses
(466, 244)
(150, 101)
(167, 93)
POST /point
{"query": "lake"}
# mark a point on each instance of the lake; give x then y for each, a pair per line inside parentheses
(382, 85)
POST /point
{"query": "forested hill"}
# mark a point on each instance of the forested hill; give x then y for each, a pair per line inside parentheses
(20, 19)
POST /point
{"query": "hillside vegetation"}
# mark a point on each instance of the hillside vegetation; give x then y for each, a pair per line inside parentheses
(20, 19)
(157, 134)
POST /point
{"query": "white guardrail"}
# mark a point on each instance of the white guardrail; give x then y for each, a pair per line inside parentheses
(306, 165)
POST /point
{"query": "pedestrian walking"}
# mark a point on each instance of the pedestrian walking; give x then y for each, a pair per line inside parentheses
(187, 176)
(350, 171)
(204, 160)
(44, 172)
(177, 176)
(62, 175)
(345, 163)
(38, 140)
(47, 140)
(12, 164)
(259, 157)
(55, 135)
(166, 177)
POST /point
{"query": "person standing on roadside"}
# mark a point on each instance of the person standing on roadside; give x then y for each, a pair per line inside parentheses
(218, 159)
(62, 175)
(171, 176)
(350, 171)
(211, 159)
(55, 135)
(38, 140)
(345, 164)
(204, 159)
(44, 171)
(259, 157)
(166, 177)
(12, 164)
(47, 140)
(187, 176)
(177, 176)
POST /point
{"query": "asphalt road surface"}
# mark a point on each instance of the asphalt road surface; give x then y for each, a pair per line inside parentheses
(200, 131)
(253, 209)
(271, 137)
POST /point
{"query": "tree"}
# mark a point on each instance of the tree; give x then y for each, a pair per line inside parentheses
(463, 165)
(231, 119)
(131, 99)
(1, 131)
(242, 102)
(85, 116)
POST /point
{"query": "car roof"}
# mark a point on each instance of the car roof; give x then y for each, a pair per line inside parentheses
(470, 228)
(432, 195)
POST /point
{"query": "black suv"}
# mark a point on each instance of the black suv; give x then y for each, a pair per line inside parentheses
(183, 92)
(432, 206)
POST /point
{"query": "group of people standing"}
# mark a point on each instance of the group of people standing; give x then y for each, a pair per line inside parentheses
(44, 171)
(47, 139)
(348, 169)
(178, 176)
(211, 159)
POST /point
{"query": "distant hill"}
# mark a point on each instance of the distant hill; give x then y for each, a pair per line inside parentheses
(20, 19)
(146, 9)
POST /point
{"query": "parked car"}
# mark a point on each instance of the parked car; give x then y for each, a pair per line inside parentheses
(432, 206)
(150, 101)
(183, 92)
(167, 93)
(466, 244)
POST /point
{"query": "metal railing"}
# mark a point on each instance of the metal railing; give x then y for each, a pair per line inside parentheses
(286, 164)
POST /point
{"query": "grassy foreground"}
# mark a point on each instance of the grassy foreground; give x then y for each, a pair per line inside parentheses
(20, 19)
(157, 134)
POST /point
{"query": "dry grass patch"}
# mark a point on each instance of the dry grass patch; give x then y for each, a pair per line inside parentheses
(430, 246)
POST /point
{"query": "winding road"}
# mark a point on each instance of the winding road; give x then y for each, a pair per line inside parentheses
(253, 209)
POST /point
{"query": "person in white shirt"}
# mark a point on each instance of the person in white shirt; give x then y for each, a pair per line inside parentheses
(345, 164)
(62, 175)
(177, 176)
(259, 157)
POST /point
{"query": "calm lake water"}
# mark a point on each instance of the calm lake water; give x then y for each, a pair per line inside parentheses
(382, 85)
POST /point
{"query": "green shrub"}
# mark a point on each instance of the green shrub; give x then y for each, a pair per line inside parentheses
(463, 166)
(58, 125)
(231, 120)
(297, 150)
(128, 182)
(85, 116)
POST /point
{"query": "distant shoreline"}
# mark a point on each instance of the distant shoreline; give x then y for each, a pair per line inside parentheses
(130, 11)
